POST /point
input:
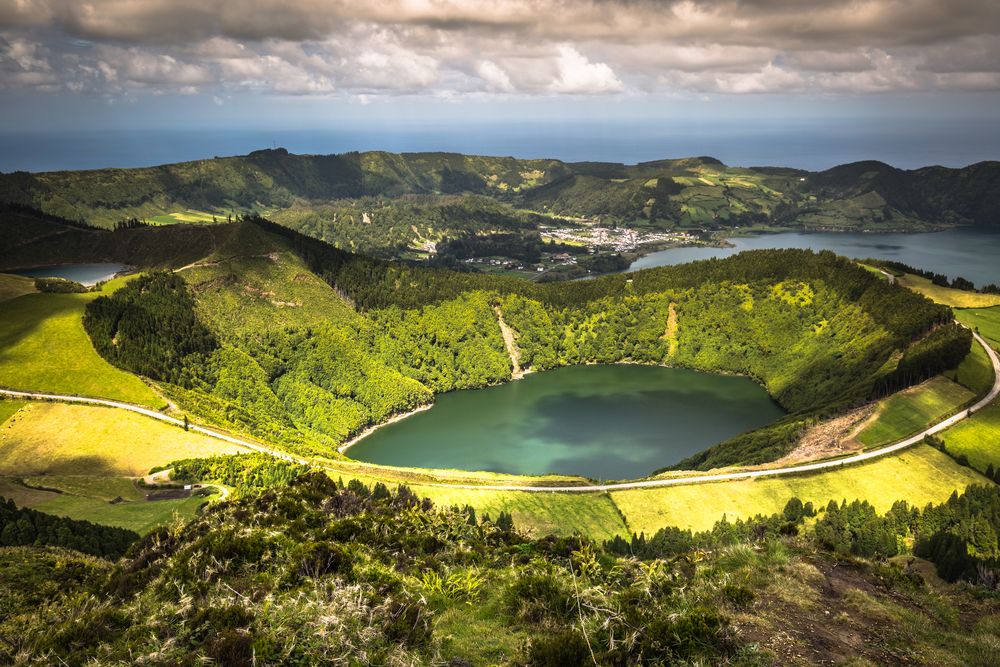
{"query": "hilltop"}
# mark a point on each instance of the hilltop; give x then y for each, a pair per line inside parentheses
(698, 191)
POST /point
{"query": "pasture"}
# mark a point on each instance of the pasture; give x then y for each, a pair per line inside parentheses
(43, 347)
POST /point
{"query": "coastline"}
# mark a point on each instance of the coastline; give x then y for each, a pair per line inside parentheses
(374, 427)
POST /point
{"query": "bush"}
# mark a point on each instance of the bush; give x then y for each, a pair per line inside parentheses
(535, 597)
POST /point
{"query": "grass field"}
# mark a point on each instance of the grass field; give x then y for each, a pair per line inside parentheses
(593, 515)
(918, 475)
(911, 410)
(43, 347)
(948, 296)
(141, 517)
(12, 286)
(984, 320)
(975, 372)
(89, 486)
(978, 438)
(8, 408)
(185, 217)
(62, 439)
(87, 498)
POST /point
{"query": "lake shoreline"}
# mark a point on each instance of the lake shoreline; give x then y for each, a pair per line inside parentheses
(374, 427)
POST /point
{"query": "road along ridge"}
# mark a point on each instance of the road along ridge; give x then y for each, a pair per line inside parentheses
(584, 488)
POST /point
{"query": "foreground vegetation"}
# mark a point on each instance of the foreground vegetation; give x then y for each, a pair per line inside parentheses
(365, 574)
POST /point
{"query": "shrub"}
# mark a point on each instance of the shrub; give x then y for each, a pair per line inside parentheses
(534, 597)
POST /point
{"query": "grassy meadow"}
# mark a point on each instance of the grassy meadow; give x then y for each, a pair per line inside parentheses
(977, 438)
(911, 410)
(43, 347)
(188, 217)
(141, 517)
(8, 408)
(64, 439)
(955, 298)
(984, 320)
(975, 372)
(918, 475)
(12, 286)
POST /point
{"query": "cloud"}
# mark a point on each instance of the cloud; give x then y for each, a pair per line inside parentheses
(495, 77)
(579, 75)
(508, 47)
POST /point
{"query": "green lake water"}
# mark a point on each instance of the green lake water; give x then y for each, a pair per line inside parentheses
(602, 422)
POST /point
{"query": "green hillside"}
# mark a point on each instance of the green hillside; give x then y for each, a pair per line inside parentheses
(290, 340)
(700, 192)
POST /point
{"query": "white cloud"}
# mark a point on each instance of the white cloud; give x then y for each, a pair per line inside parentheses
(495, 78)
(579, 75)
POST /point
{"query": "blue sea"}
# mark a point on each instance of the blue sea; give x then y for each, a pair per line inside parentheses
(813, 146)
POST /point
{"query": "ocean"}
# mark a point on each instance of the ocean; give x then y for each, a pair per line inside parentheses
(812, 146)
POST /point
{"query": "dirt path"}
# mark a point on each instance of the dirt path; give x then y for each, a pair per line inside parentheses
(582, 488)
(510, 342)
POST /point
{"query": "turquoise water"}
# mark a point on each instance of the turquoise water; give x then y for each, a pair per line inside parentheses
(85, 274)
(602, 422)
(970, 253)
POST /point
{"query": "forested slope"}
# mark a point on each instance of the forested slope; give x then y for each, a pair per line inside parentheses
(291, 340)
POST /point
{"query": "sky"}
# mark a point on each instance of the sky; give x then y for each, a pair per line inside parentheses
(621, 72)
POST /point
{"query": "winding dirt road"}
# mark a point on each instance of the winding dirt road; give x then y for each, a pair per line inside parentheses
(583, 488)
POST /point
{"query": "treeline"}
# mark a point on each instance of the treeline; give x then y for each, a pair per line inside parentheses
(672, 541)
(149, 327)
(240, 471)
(939, 279)
(373, 284)
(942, 349)
(25, 527)
(59, 286)
(960, 535)
(130, 223)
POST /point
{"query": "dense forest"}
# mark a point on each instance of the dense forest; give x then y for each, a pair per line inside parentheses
(819, 333)
(302, 569)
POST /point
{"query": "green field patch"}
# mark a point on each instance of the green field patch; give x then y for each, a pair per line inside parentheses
(591, 514)
(142, 516)
(90, 486)
(914, 409)
(984, 320)
(184, 217)
(918, 475)
(61, 439)
(955, 298)
(975, 372)
(977, 438)
(12, 286)
(8, 408)
(43, 347)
